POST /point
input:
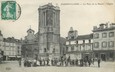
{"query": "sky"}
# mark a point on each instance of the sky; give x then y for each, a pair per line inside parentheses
(82, 15)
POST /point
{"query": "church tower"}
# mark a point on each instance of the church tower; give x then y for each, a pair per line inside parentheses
(49, 31)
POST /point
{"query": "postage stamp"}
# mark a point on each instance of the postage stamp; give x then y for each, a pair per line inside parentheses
(8, 10)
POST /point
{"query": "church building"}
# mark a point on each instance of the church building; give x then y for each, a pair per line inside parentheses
(46, 43)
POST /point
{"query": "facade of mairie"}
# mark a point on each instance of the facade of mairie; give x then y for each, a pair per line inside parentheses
(104, 41)
(99, 44)
(79, 46)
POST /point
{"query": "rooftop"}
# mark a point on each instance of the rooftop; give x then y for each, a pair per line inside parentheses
(104, 27)
(30, 30)
(84, 37)
(49, 5)
(11, 40)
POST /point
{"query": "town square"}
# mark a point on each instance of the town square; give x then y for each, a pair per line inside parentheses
(47, 50)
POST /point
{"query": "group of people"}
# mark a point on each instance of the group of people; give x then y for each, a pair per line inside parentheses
(60, 62)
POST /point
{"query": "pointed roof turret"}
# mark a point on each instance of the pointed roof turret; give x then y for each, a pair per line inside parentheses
(71, 28)
(30, 30)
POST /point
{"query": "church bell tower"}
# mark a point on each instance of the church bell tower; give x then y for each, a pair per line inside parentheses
(49, 31)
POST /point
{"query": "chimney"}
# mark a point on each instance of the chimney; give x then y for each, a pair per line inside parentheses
(94, 27)
(71, 28)
(101, 26)
(111, 26)
(106, 25)
(76, 33)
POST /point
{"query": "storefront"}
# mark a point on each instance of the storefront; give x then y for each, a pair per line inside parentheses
(108, 55)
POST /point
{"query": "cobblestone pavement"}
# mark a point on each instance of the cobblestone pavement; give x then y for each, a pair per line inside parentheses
(12, 66)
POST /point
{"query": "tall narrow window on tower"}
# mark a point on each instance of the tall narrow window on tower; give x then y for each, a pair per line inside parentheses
(49, 17)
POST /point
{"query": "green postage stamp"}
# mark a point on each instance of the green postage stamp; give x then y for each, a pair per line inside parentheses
(8, 10)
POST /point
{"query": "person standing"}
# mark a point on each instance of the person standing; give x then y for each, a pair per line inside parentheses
(81, 62)
(62, 61)
(25, 63)
(68, 60)
(52, 62)
(43, 61)
(98, 62)
(40, 62)
(85, 61)
(93, 61)
(48, 62)
(89, 62)
(76, 62)
(20, 62)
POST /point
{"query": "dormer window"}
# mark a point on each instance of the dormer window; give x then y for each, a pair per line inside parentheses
(72, 37)
(30, 31)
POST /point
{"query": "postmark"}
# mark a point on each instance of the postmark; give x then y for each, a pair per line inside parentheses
(10, 10)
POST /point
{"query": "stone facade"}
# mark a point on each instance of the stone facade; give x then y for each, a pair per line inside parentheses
(11, 48)
(79, 46)
(99, 44)
(30, 45)
(1, 46)
(104, 41)
(49, 31)
(46, 43)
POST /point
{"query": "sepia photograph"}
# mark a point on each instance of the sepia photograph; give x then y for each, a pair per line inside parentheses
(57, 36)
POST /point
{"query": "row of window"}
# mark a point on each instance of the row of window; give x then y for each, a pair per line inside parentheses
(104, 44)
(96, 45)
(53, 51)
(78, 48)
(78, 42)
(7, 45)
(11, 48)
(104, 35)
(9, 53)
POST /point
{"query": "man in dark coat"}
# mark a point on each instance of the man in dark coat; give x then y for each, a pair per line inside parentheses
(48, 61)
(98, 62)
(81, 62)
(20, 62)
(40, 62)
(52, 62)
(89, 62)
(76, 62)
